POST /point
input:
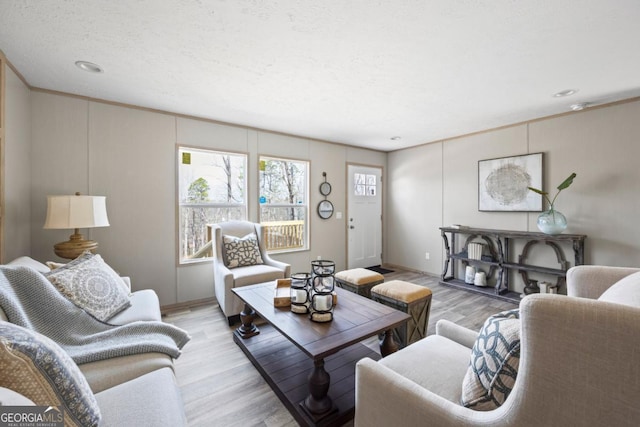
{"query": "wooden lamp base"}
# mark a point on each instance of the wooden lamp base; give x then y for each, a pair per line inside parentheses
(75, 246)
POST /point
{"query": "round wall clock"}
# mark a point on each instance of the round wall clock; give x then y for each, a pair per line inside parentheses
(325, 209)
(325, 188)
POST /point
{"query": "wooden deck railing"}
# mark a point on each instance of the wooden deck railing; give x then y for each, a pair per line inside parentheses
(278, 235)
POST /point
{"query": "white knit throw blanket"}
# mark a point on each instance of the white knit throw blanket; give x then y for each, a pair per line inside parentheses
(31, 301)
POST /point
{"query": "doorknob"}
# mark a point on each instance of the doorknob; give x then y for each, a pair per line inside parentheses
(351, 227)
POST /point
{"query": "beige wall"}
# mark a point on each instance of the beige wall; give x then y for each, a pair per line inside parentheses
(128, 155)
(411, 214)
(17, 185)
(437, 184)
(603, 147)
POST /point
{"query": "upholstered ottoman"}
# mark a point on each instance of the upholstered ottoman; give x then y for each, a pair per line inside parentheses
(358, 280)
(415, 300)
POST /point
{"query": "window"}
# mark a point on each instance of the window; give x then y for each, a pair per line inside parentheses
(211, 188)
(364, 185)
(284, 203)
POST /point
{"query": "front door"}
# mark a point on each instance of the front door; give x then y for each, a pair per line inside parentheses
(364, 220)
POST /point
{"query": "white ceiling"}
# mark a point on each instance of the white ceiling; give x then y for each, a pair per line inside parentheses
(351, 71)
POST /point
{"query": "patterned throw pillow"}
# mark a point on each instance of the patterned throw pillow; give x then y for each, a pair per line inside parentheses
(36, 367)
(92, 285)
(494, 362)
(240, 252)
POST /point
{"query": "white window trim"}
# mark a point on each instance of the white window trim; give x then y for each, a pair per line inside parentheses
(307, 229)
(180, 261)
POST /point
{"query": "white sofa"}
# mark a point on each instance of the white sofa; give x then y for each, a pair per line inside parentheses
(139, 389)
(578, 364)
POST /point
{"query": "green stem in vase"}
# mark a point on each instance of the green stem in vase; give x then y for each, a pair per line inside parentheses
(565, 184)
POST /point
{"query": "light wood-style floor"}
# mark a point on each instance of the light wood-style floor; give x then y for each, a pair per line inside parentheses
(220, 387)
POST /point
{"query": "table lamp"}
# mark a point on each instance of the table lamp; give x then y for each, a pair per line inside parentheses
(75, 212)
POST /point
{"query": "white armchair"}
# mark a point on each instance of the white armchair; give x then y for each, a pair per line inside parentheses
(578, 364)
(226, 278)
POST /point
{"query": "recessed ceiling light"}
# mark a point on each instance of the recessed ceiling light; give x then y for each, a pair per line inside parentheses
(580, 106)
(566, 92)
(89, 67)
(396, 138)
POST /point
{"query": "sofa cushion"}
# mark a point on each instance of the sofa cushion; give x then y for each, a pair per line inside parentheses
(144, 306)
(107, 373)
(625, 291)
(253, 274)
(435, 363)
(38, 368)
(92, 285)
(495, 357)
(241, 251)
(150, 400)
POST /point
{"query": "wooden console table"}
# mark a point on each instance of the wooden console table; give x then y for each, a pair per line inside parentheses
(499, 262)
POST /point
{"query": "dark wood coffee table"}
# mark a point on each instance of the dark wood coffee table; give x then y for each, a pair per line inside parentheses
(311, 366)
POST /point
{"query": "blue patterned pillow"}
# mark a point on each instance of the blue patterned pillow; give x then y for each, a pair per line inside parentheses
(92, 285)
(494, 362)
(240, 252)
(36, 367)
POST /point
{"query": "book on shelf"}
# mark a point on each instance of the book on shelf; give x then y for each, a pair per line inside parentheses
(475, 250)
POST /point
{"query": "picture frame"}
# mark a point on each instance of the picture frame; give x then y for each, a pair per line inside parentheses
(503, 182)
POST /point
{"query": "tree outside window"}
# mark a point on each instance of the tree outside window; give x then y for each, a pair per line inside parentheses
(211, 189)
(284, 191)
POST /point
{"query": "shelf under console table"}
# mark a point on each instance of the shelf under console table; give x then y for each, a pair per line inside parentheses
(499, 261)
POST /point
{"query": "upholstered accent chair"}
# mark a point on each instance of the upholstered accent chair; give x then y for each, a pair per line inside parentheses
(226, 275)
(578, 364)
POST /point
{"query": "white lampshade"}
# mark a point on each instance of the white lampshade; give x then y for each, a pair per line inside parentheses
(69, 212)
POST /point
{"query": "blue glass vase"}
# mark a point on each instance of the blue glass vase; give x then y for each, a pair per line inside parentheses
(552, 222)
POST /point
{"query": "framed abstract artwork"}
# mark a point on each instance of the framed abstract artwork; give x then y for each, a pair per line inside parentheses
(503, 182)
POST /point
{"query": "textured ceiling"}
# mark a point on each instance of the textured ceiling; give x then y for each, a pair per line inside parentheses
(351, 71)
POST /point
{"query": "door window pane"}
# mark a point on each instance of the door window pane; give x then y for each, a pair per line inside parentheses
(364, 185)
